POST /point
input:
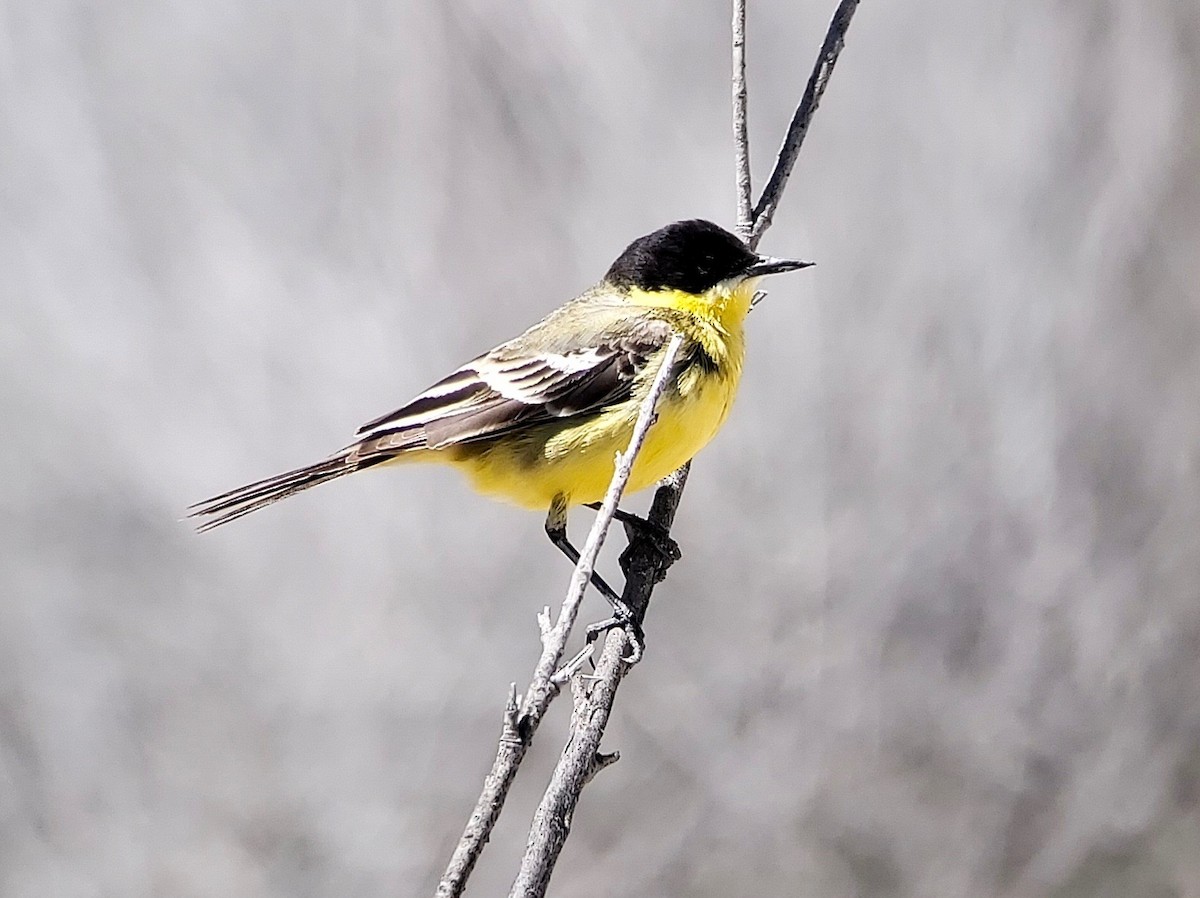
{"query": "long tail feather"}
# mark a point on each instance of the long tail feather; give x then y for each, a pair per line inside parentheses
(240, 502)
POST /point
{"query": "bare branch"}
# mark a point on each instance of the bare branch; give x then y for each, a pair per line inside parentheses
(517, 732)
(511, 750)
(835, 39)
(538, 697)
(741, 132)
(552, 819)
(580, 761)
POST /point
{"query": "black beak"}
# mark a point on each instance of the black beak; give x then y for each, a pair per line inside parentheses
(770, 265)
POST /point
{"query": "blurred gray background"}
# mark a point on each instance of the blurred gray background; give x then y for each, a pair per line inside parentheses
(936, 631)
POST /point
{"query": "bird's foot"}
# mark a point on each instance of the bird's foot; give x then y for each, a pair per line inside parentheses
(633, 631)
(655, 534)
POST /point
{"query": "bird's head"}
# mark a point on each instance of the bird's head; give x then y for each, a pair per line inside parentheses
(694, 258)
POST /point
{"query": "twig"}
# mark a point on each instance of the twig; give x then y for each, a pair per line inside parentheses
(580, 761)
(509, 754)
(518, 729)
(835, 39)
(741, 132)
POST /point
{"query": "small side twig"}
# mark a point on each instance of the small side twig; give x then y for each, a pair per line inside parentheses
(835, 39)
(517, 732)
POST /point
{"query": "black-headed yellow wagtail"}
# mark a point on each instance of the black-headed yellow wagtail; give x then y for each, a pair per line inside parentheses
(539, 419)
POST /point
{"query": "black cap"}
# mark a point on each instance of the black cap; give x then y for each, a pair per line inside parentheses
(692, 256)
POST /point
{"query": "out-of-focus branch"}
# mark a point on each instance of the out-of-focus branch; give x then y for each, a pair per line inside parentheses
(644, 561)
(741, 129)
(835, 39)
(521, 722)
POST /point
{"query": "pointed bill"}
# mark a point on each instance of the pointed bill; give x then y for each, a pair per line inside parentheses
(770, 265)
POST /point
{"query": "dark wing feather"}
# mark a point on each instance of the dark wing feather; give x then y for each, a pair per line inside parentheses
(528, 381)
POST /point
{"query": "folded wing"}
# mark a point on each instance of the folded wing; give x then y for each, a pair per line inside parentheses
(520, 384)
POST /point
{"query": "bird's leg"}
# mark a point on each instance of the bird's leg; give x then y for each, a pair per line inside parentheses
(556, 529)
(655, 534)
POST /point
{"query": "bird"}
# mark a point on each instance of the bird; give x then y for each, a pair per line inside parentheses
(538, 419)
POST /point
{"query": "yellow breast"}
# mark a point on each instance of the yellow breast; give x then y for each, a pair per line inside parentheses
(578, 461)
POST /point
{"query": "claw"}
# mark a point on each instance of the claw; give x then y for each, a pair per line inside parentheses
(657, 537)
(633, 631)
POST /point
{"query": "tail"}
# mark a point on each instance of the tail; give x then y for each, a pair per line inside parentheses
(234, 504)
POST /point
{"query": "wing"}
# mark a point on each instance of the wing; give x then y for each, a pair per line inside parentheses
(577, 362)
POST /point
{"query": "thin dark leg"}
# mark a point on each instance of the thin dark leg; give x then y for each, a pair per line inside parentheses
(559, 538)
(556, 529)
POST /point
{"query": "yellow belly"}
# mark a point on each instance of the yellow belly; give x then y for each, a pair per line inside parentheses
(578, 462)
